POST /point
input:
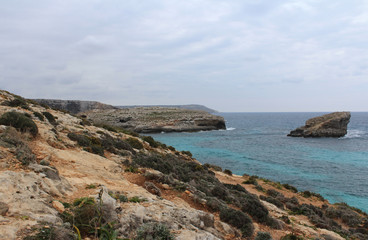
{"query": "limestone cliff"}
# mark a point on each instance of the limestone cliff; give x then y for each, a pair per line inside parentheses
(329, 125)
(157, 119)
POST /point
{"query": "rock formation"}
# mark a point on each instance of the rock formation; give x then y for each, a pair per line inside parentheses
(74, 106)
(329, 125)
(157, 119)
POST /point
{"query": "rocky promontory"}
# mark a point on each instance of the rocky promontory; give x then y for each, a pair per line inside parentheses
(328, 125)
(157, 119)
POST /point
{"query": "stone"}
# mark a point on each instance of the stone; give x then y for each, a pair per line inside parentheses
(151, 187)
(4, 208)
(328, 125)
(58, 206)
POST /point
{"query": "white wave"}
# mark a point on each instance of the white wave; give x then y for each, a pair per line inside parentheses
(230, 128)
(354, 134)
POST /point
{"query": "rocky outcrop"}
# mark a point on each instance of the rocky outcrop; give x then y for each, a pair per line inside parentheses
(74, 106)
(157, 119)
(329, 125)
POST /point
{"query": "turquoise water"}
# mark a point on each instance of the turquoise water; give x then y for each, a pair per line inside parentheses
(256, 144)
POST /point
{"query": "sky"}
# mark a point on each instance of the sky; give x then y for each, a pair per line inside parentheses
(233, 55)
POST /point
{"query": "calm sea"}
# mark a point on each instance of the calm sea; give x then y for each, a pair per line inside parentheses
(256, 144)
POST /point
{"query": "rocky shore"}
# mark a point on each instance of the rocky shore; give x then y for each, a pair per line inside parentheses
(328, 125)
(61, 178)
(157, 119)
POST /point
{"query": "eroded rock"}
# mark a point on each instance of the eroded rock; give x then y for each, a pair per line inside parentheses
(328, 125)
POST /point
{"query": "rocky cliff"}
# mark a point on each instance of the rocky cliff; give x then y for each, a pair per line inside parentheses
(74, 106)
(329, 125)
(157, 119)
(62, 178)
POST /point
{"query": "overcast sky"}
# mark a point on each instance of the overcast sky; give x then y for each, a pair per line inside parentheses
(233, 55)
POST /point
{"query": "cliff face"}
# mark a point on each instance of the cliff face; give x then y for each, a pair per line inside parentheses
(74, 106)
(329, 125)
(158, 119)
(67, 178)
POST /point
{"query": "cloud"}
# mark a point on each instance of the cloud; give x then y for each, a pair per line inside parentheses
(161, 51)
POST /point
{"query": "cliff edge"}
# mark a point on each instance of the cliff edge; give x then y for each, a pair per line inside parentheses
(329, 125)
(157, 119)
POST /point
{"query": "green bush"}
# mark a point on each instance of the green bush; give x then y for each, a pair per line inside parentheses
(238, 219)
(228, 172)
(214, 167)
(20, 122)
(291, 236)
(151, 141)
(263, 236)
(50, 117)
(39, 116)
(135, 143)
(154, 231)
(291, 188)
(17, 102)
(251, 180)
(188, 153)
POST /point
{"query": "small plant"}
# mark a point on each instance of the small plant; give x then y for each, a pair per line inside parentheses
(151, 141)
(44, 233)
(214, 167)
(251, 180)
(263, 236)
(132, 169)
(137, 199)
(291, 188)
(91, 186)
(238, 219)
(17, 102)
(188, 153)
(50, 117)
(291, 236)
(154, 231)
(172, 148)
(39, 116)
(20, 122)
(228, 172)
(135, 143)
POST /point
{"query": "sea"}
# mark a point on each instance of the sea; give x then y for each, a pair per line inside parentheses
(256, 144)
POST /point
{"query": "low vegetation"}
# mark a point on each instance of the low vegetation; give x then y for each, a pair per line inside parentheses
(50, 117)
(19, 121)
(154, 231)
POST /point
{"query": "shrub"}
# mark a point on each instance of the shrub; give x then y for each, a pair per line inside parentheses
(255, 208)
(291, 236)
(50, 117)
(188, 153)
(251, 180)
(228, 172)
(151, 141)
(154, 231)
(274, 201)
(135, 143)
(39, 116)
(172, 148)
(291, 188)
(81, 139)
(20, 122)
(214, 167)
(17, 102)
(137, 199)
(238, 219)
(263, 236)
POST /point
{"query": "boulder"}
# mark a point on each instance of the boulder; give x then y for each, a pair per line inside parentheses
(328, 125)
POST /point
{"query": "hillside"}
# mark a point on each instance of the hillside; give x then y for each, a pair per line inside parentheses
(61, 177)
(188, 106)
(73, 106)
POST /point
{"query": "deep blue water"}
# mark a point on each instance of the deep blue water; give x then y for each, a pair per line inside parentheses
(256, 144)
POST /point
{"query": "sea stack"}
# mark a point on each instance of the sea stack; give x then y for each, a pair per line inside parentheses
(329, 125)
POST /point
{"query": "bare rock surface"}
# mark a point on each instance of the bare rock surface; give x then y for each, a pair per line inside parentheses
(158, 119)
(328, 125)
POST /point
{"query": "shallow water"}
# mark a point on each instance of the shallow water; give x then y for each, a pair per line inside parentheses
(256, 144)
